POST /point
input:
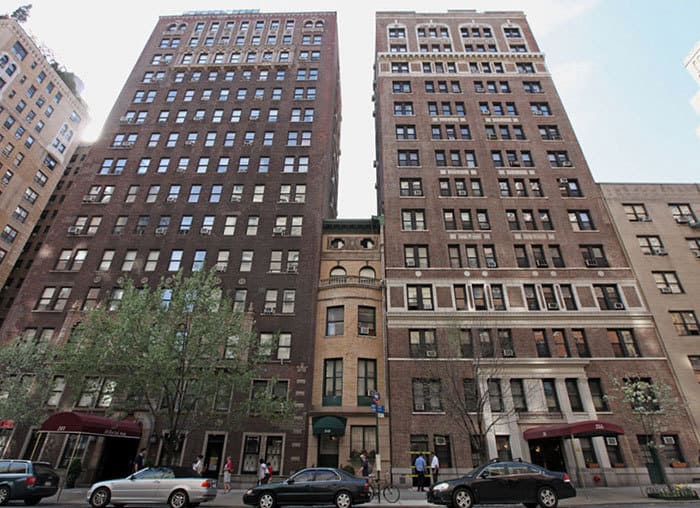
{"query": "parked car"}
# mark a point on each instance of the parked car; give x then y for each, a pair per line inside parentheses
(179, 487)
(27, 480)
(311, 486)
(503, 483)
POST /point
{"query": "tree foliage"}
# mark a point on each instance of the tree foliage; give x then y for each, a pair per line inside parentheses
(25, 380)
(21, 14)
(178, 351)
(465, 391)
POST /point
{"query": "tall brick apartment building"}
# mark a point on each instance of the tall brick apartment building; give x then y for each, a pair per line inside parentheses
(41, 117)
(496, 238)
(220, 151)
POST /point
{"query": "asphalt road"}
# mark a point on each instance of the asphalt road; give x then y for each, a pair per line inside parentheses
(656, 504)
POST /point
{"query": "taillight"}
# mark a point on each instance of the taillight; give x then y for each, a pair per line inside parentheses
(566, 477)
(29, 481)
(366, 486)
(206, 484)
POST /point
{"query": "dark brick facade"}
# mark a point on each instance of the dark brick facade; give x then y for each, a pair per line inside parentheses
(292, 51)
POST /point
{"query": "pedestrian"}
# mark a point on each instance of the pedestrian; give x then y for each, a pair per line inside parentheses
(198, 465)
(269, 472)
(435, 467)
(420, 471)
(364, 463)
(228, 468)
(262, 472)
(139, 460)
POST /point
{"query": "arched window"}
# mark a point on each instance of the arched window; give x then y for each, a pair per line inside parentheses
(308, 24)
(172, 27)
(338, 273)
(367, 272)
(337, 243)
(319, 24)
(367, 243)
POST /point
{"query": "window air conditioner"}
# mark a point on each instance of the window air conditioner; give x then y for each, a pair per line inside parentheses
(541, 263)
(669, 440)
(171, 199)
(508, 353)
(161, 230)
(74, 230)
(205, 231)
(660, 252)
(591, 263)
(490, 263)
(431, 353)
(221, 267)
(666, 290)
(611, 440)
(552, 306)
(461, 192)
(364, 330)
(566, 164)
(618, 306)
(268, 310)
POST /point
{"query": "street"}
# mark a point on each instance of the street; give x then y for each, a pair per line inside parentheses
(413, 503)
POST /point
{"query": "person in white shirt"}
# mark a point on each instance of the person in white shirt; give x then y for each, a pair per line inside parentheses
(434, 468)
(263, 474)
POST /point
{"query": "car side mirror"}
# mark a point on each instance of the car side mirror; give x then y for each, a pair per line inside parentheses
(484, 474)
(132, 478)
(290, 481)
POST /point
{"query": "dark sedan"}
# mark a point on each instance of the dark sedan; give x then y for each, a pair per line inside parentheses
(503, 483)
(312, 486)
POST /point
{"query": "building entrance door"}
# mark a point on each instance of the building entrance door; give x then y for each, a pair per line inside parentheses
(213, 456)
(327, 451)
(547, 453)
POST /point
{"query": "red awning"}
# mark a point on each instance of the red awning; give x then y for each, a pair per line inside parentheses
(588, 428)
(7, 424)
(83, 423)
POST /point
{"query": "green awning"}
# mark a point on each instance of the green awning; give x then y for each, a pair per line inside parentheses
(329, 425)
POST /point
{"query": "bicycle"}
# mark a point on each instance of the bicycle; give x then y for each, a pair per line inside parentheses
(390, 491)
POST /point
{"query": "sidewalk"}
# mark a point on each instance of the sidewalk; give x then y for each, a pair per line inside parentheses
(409, 497)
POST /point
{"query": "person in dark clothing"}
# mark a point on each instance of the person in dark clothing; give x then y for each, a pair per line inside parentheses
(364, 463)
(139, 460)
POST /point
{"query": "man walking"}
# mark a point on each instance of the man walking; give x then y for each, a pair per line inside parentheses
(435, 467)
(139, 460)
(420, 470)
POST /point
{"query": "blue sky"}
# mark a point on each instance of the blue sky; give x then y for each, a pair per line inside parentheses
(618, 65)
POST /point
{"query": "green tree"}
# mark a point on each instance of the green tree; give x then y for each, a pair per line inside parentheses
(21, 14)
(653, 404)
(179, 352)
(25, 380)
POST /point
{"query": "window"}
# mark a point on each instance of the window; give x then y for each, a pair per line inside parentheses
(426, 395)
(416, 256)
(335, 321)
(581, 220)
(517, 391)
(413, 220)
(667, 282)
(550, 394)
(623, 343)
(579, 338)
(608, 297)
(682, 213)
(651, 245)
(366, 320)
(541, 344)
(366, 380)
(636, 212)
(333, 382)
(419, 297)
(600, 400)
(685, 322)
(574, 395)
(97, 392)
(593, 256)
(495, 395)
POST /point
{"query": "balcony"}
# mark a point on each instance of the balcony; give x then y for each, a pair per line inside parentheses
(350, 280)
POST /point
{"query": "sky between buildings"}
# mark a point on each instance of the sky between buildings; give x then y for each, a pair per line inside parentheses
(617, 64)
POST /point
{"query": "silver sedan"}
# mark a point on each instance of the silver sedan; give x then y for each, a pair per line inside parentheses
(179, 487)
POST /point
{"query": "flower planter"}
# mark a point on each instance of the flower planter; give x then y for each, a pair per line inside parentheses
(679, 464)
(618, 465)
(592, 465)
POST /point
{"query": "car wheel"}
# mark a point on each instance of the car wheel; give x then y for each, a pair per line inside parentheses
(547, 497)
(343, 499)
(462, 498)
(31, 501)
(4, 494)
(178, 499)
(267, 500)
(100, 498)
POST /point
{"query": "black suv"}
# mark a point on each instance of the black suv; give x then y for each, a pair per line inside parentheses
(504, 483)
(27, 480)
